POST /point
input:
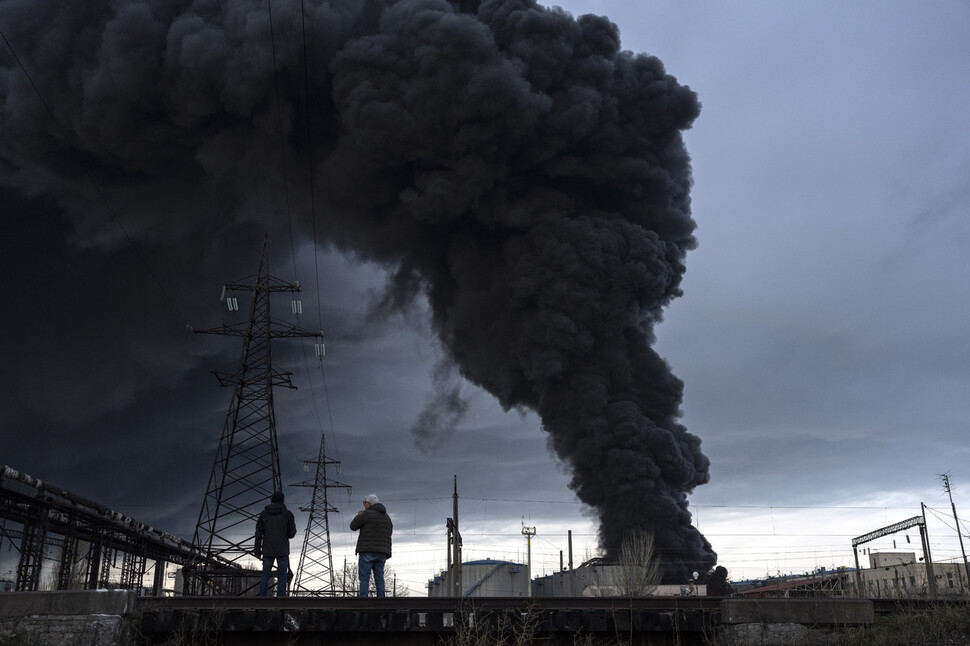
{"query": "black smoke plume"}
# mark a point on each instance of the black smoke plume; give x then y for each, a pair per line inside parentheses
(507, 161)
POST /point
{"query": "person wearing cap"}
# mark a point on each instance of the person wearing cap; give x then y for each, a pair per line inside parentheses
(373, 543)
(274, 529)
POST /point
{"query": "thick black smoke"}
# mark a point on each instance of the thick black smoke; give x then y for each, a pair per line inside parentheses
(508, 161)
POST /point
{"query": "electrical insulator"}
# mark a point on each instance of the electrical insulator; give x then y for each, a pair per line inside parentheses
(297, 307)
(321, 350)
(232, 304)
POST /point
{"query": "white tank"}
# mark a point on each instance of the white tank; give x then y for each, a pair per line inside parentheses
(486, 578)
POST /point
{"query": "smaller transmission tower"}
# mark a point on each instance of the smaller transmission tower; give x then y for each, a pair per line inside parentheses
(314, 575)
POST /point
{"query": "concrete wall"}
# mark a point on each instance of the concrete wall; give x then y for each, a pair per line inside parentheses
(790, 622)
(68, 618)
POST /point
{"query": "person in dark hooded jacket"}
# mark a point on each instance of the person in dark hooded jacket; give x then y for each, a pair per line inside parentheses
(373, 543)
(274, 529)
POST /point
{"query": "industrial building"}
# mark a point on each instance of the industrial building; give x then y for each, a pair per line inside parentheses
(489, 578)
(598, 579)
(893, 575)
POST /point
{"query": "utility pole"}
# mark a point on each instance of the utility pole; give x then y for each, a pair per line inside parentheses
(529, 532)
(454, 555)
(956, 521)
(572, 573)
(314, 575)
(925, 538)
(246, 469)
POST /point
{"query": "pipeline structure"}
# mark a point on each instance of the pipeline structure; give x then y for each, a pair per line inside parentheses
(90, 546)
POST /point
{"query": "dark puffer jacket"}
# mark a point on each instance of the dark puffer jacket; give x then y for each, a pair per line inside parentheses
(375, 530)
(274, 529)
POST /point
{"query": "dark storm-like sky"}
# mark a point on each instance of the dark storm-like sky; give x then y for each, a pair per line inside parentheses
(820, 337)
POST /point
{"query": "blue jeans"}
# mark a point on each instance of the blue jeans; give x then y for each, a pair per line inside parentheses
(365, 563)
(283, 567)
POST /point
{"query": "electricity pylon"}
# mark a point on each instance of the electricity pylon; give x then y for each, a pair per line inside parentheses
(246, 470)
(314, 575)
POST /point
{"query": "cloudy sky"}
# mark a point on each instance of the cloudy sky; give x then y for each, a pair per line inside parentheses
(820, 336)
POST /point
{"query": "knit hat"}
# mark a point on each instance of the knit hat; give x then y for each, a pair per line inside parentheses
(277, 496)
(372, 499)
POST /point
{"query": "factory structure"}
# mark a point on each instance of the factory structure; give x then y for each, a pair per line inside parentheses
(902, 574)
(893, 575)
(491, 578)
(597, 578)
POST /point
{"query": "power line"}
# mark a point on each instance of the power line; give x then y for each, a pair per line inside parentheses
(309, 136)
(279, 120)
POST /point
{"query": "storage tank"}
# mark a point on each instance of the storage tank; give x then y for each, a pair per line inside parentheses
(486, 578)
(598, 579)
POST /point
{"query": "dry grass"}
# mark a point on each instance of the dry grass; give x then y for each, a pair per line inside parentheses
(478, 628)
(939, 626)
(947, 625)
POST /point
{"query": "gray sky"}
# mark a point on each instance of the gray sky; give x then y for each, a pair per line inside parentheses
(820, 336)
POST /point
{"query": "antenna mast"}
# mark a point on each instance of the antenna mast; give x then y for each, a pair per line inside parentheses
(246, 470)
(316, 542)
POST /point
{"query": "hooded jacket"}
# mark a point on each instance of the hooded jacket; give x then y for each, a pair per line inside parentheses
(274, 529)
(375, 530)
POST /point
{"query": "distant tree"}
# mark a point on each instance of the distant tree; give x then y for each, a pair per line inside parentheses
(69, 576)
(347, 582)
(638, 574)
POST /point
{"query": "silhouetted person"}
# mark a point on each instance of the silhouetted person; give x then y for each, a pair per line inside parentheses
(274, 529)
(373, 543)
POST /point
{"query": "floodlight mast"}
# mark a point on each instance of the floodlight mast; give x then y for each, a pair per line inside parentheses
(529, 532)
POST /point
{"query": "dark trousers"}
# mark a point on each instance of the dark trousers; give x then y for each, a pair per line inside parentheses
(282, 570)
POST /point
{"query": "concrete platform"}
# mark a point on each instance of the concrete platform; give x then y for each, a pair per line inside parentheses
(67, 603)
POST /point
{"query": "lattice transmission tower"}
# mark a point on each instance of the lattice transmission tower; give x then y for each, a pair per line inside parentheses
(246, 470)
(314, 575)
